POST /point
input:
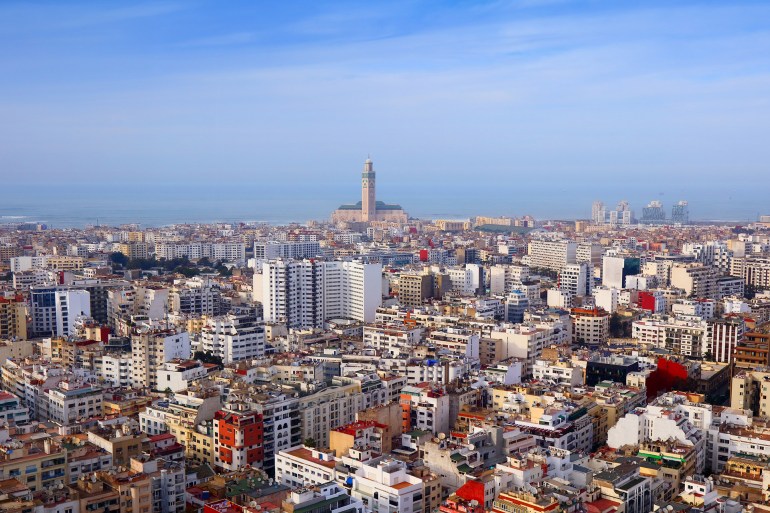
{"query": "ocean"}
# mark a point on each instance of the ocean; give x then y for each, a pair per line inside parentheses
(76, 205)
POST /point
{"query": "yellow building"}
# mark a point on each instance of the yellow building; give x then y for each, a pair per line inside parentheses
(134, 489)
(65, 263)
(134, 250)
(13, 318)
(189, 419)
(40, 465)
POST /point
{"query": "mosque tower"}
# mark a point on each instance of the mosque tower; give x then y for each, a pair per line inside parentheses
(368, 196)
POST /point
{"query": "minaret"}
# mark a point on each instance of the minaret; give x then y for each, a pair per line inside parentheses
(368, 197)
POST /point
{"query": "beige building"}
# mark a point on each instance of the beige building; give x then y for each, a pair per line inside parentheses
(120, 442)
(414, 289)
(750, 390)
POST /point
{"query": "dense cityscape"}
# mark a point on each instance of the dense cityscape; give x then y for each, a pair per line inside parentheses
(376, 362)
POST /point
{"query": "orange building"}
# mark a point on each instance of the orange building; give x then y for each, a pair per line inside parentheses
(238, 440)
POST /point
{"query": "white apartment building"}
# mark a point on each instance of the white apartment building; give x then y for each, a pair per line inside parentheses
(502, 278)
(527, 341)
(306, 293)
(11, 410)
(696, 280)
(115, 369)
(232, 251)
(271, 250)
(152, 420)
(607, 298)
(561, 372)
(196, 297)
(427, 409)
(552, 255)
(576, 279)
(71, 403)
(302, 466)
(334, 407)
(233, 338)
(684, 337)
(442, 371)
(176, 375)
(393, 339)
(55, 310)
(460, 341)
(27, 263)
(383, 485)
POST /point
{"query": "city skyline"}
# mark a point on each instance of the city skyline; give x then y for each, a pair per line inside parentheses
(659, 97)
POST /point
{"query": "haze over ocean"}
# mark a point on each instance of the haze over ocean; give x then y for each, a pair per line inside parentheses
(161, 204)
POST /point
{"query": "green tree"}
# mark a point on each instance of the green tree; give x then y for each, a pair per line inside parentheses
(207, 357)
(119, 258)
(309, 442)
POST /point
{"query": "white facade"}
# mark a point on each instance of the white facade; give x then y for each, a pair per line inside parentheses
(612, 271)
(383, 485)
(177, 375)
(151, 350)
(115, 369)
(306, 293)
(272, 250)
(302, 466)
(552, 255)
(607, 298)
(231, 340)
(576, 279)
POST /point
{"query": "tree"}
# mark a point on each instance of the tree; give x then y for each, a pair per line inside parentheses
(309, 442)
(207, 357)
(616, 326)
(119, 258)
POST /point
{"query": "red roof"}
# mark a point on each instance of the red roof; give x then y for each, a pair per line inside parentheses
(472, 490)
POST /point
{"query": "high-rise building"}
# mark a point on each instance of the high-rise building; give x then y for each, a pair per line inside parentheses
(234, 337)
(622, 215)
(238, 440)
(515, 306)
(414, 289)
(653, 213)
(615, 269)
(680, 213)
(150, 350)
(305, 293)
(54, 310)
(597, 212)
(576, 279)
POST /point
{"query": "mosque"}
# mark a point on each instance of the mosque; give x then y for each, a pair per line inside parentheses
(369, 209)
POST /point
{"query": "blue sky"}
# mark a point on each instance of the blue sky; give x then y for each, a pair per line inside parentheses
(597, 97)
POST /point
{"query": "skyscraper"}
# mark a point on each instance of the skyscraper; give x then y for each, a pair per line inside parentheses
(653, 213)
(680, 213)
